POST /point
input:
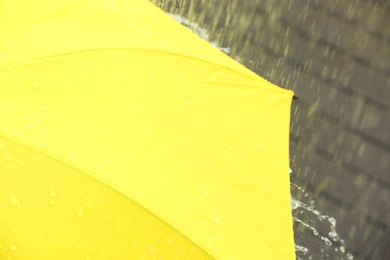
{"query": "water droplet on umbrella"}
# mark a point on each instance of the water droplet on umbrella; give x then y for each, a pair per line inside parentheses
(14, 200)
(189, 102)
(36, 84)
(21, 163)
(216, 219)
(69, 123)
(327, 241)
(44, 108)
(53, 192)
(13, 247)
(53, 195)
(6, 157)
(16, 88)
(225, 120)
(80, 211)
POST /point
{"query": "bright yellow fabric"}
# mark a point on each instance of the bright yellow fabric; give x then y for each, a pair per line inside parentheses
(118, 91)
(50, 210)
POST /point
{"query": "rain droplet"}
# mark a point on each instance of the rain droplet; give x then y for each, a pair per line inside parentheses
(80, 211)
(13, 247)
(16, 88)
(302, 249)
(44, 108)
(14, 200)
(53, 192)
(69, 123)
(6, 157)
(53, 195)
(294, 204)
(225, 120)
(21, 163)
(216, 219)
(36, 84)
(327, 241)
(332, 221)
(189, 102)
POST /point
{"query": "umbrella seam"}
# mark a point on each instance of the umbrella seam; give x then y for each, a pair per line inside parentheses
(249, 75)
(89, 175)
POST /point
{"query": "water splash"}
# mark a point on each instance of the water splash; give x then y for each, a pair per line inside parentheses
(302, 249)
(311, 222)
(200, 31)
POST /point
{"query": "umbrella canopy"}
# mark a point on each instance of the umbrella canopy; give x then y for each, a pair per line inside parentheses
(122, 134)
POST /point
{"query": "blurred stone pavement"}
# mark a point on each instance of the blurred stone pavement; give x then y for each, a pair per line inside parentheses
(335, 55)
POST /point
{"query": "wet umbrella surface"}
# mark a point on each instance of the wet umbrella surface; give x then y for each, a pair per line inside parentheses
(334, 55)
(123, 134)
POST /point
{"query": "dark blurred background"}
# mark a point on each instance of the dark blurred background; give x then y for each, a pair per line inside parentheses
(335, 55)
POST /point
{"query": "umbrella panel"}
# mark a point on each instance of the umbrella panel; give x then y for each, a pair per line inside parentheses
(49, 208)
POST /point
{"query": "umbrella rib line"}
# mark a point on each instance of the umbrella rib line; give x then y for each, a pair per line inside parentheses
(90, 176)
(252, 75)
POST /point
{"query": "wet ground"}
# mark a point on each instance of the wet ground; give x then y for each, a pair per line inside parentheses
(335, 55)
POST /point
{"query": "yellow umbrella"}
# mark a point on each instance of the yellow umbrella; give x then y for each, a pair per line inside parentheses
(123, 135)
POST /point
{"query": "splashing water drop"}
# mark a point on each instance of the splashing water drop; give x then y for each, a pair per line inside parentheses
(302, 249)
(311, 223)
